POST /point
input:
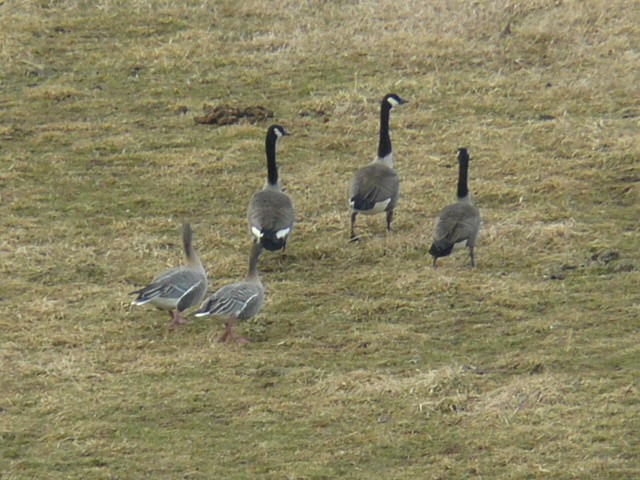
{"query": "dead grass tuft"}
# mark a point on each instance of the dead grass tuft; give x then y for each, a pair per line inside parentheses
(525, 393)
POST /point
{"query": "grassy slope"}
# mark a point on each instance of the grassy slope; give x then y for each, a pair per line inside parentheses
(366, 362)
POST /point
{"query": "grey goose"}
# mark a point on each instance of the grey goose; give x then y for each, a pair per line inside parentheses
(237, 301)
(270, 213)
(459, 223)
(375, 187)
(179, 288)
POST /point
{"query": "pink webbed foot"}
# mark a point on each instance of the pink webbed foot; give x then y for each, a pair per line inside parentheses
(178, 320)
(229, 336)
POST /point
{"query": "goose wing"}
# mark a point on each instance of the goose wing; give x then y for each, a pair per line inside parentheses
(240, 300)
(270, 210)
(180, 287)
(372, 184)
(457, 223)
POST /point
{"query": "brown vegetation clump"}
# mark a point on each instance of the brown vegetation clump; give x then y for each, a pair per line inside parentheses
(227, 115)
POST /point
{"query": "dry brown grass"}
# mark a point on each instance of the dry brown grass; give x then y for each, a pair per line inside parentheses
(366, 362)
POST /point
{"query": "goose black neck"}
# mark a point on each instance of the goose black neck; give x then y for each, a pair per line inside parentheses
(272, 169)
(463, 189)
(384, 147)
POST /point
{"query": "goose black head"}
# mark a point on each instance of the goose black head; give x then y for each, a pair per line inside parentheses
(463, 155)
(277, 130)
(392, 99)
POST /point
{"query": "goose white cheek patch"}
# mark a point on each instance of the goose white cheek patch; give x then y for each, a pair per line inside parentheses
(393, 101)
(256, 233)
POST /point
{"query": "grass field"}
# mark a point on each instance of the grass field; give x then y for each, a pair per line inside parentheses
(366, 363)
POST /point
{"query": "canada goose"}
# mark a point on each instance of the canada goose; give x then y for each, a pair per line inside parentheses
(270, 211)
(179, 288)
(238, 301)
(458, 223)
(374, 188)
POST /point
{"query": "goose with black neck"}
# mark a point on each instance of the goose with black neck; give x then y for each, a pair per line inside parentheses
(375, 188)
(271, 214)
(459, 223)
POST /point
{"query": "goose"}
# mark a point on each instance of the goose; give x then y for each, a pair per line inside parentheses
(179, 288)
(237, 301)
(375, 187)
(458, 224)
(270, 213)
